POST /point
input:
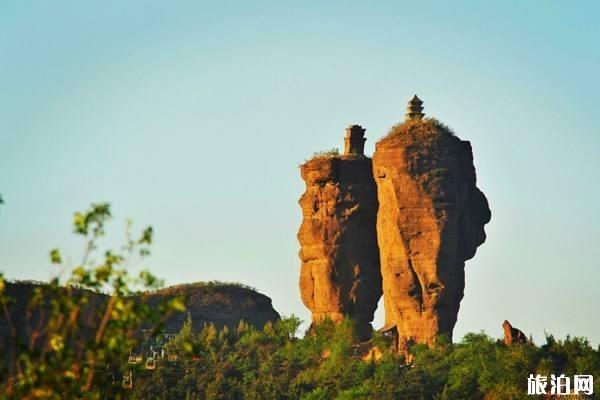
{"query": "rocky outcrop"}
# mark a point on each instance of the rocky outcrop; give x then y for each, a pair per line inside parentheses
(340, 274)
(431, 219)
(221, 304)
(512, 335)
(218, 303)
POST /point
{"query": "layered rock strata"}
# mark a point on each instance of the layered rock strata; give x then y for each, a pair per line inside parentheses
(431, 219)
(340, 274)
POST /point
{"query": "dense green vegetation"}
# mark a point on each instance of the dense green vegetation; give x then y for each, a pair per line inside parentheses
(273, 363)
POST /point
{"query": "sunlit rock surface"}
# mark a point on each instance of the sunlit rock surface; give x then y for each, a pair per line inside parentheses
(430, 221)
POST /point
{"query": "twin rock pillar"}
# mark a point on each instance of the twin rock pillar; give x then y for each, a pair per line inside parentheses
(408, 231)
(340, 274)
(430, 221)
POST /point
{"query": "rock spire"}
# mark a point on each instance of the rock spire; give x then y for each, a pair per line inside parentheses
(430, 221)
(340, 274)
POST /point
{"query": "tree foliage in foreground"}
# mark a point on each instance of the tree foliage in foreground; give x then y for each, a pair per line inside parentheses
(67, 342)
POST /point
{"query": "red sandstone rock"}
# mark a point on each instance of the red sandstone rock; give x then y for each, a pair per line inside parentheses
(431, 219)
(512, 335)
(340, 274)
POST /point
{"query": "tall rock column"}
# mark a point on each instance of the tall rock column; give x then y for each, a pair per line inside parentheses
(340, 273)
(431, 219)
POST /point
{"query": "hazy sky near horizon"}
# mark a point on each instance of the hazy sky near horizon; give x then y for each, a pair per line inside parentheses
(194, 116)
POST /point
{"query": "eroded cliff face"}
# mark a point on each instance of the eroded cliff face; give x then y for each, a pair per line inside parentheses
(431, 219)
(340, 272)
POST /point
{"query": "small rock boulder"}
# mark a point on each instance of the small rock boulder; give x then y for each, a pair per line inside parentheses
(512, 335)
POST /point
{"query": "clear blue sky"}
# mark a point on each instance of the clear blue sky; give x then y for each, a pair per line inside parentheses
(193, 117)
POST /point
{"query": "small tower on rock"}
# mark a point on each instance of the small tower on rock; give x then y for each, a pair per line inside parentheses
(414, 110)
(354, 142)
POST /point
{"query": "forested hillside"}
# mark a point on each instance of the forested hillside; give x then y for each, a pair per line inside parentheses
(273, 363)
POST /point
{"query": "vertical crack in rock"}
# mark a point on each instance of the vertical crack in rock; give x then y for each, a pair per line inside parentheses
(340, 273)
(430, 221)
